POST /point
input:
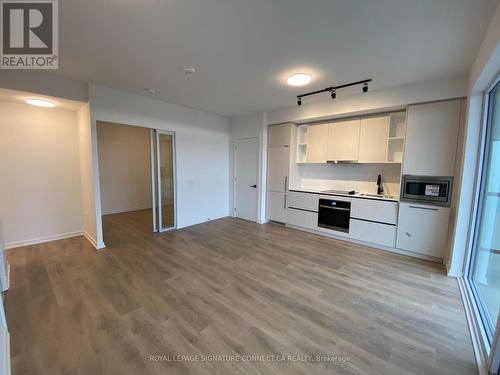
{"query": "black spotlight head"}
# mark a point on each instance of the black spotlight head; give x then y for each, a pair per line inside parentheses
(333, 94)
(365, 87)
(299, 101)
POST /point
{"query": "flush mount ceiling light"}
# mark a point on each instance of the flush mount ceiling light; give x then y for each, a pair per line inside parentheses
(40, 103)
(150, 91)
(188, 69)
(299, 79)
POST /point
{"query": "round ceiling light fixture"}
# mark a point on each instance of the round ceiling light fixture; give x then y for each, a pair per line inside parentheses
(188, 69)
(150, 90)
(40, 103)
(299, 79)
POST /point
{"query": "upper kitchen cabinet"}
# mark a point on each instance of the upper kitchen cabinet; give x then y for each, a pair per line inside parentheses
(431, 138)
(279, 135)
(317, 142)
(373, 136)
(343, 140)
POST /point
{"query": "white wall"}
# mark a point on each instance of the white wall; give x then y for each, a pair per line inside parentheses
(40, 195)
(373, 101)
(124, 167)
(252, 126)
(202, 147)
(91, 221)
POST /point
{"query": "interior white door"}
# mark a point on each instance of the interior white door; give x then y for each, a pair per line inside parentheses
(246, 176)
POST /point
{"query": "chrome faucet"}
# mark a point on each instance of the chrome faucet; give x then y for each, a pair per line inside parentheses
(380, 189)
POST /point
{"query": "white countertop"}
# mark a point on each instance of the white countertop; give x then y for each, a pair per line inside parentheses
(360, 194)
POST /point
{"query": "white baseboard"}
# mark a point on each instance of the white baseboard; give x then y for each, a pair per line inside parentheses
(94, 243)
(39, 240)
(452, 273)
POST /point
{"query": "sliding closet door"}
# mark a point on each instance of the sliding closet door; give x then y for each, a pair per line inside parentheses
(163, 180)
(166, 180)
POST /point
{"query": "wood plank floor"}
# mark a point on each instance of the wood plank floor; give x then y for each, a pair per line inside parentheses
(230, 288)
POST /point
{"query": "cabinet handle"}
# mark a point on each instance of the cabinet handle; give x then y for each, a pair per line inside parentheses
(408, 234)
(284, 202)
(424, 208)
(286, 182)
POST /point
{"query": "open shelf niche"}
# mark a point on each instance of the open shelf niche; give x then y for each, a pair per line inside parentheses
(396, 139)
(301, 144)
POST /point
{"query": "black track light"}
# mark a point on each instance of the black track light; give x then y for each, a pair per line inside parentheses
(333, 89)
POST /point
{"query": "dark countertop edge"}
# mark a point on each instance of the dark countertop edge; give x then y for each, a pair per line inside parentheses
(345, 195)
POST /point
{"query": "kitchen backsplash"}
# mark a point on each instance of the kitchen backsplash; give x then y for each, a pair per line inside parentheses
(359, 177)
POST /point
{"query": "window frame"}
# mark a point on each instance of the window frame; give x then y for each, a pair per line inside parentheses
(484, 150)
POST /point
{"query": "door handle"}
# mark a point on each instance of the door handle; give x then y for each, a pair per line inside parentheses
(286, 182)
(284, 203)
(254, 186)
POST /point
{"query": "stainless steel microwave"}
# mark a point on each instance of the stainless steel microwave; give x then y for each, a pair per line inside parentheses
(427, 189)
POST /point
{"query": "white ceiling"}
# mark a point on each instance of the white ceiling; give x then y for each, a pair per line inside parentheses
(243, 50)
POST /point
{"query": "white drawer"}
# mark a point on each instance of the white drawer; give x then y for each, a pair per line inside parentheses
(367, 231)
(374, 210)
(305, 201)
(304, 219)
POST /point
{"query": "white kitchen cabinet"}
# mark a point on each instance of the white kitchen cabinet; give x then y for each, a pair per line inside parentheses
(303, 219)
(279, 135)
(374, 210)
(367, 231)
(276, 206)
(343, 140)
(278, 165)
(423, 229)
(303, 201)
(317, 141)
(431, 138)
(373, 136)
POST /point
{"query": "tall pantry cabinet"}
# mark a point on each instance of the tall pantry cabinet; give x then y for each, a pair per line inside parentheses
(278, 166)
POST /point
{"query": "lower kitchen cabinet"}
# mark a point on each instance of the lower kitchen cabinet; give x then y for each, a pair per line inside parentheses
(304, 201)
(423, 229)
(276, 206)
(375, 210)
(301, 218)
(377, 233)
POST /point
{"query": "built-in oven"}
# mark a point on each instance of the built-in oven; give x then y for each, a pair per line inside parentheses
(427, 189)
(334, 214)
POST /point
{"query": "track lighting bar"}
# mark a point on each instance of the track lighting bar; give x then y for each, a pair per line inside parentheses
(332, 89)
